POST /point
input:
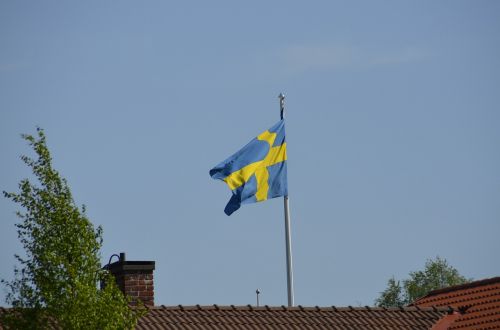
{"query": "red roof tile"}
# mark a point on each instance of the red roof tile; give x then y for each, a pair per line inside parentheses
(479, 302)
(310, 318)
(307, 318)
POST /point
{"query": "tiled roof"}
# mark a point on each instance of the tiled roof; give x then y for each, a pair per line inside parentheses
(478, 301)
(310, 318)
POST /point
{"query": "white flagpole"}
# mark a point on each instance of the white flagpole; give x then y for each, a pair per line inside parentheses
(288, 236)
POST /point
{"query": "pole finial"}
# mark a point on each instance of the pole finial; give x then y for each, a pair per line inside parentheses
(282, 105)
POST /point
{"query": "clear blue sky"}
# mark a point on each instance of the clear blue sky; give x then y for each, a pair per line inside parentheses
(393, 130)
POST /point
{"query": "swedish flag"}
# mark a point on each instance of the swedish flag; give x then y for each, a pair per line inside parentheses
(256, 172)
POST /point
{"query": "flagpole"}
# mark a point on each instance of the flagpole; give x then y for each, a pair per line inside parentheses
(288, 236)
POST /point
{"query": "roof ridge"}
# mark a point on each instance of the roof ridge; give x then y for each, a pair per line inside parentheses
(464, 292)
(458, 298)
(460, 287)
(301, 308)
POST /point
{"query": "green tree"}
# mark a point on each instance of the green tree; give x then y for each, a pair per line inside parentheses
(436, 275)
(56, 283)
(392, 296)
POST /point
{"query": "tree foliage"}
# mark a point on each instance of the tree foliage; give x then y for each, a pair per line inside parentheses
(436, 275)
(56, 282)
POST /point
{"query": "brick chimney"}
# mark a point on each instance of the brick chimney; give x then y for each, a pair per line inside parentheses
(135, 279)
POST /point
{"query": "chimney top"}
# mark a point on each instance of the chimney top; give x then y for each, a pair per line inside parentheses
(134, 278)
(131, 265)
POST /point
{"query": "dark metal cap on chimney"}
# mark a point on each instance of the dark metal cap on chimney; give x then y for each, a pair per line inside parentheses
(122, 265)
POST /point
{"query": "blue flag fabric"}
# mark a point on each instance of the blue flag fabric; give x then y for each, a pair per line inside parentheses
(257, 172)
